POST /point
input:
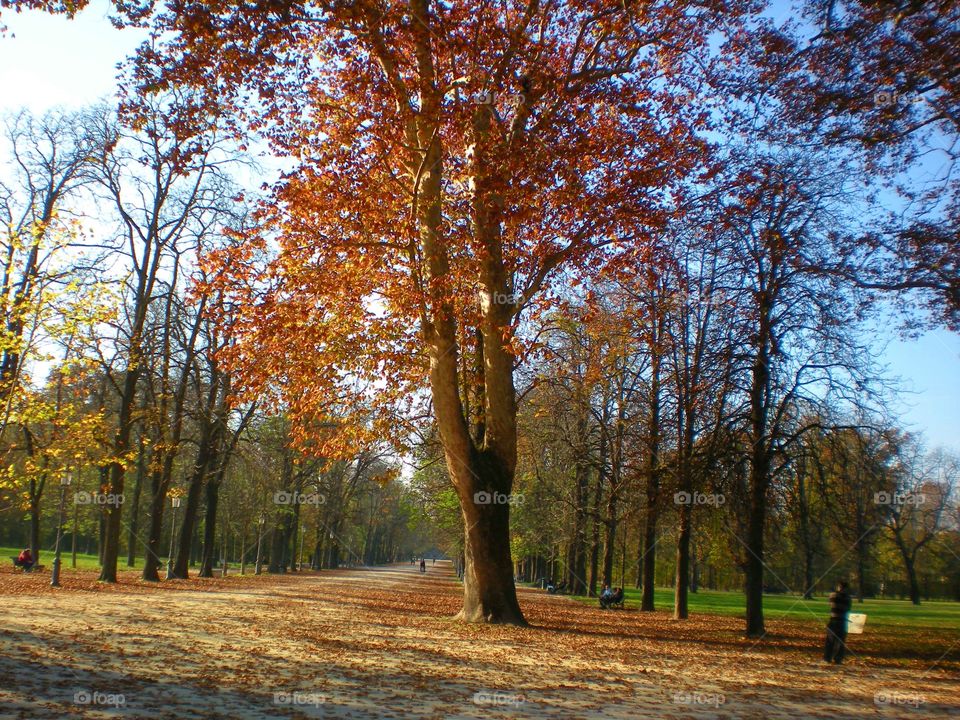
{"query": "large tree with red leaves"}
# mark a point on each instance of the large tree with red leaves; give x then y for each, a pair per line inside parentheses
(452, 164)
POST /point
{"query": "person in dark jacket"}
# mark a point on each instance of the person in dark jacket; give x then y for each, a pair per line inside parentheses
(836, 646)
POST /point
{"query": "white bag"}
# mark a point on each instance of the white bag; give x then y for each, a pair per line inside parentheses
(855, 623)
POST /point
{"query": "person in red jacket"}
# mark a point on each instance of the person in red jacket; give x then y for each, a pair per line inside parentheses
(25, 559)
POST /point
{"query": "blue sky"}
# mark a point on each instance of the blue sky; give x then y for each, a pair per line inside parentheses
(47, 61)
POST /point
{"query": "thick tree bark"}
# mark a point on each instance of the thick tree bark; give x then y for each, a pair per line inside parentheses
(489, 594)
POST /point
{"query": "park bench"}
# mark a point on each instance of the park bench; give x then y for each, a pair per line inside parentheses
(615, 602)
(17, 568)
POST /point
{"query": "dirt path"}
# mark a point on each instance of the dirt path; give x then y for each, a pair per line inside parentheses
(379, 643)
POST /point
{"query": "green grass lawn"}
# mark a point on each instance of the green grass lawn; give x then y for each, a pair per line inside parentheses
(932, 614)
(84, 562)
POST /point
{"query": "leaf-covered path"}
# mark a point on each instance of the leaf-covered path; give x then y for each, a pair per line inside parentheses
(379, 643)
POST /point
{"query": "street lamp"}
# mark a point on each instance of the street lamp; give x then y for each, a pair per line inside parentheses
(65, 482)
(175, 504)
(260, 521)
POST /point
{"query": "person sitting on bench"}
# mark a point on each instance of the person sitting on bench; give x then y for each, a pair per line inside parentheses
(605, 595)
(610, 598)
(24, 560)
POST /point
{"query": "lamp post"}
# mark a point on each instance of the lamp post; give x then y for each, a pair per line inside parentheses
(260, 521)
(65, 482)
(175, 504)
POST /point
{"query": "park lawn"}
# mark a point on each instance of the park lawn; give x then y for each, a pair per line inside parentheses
(894, 613)
(84, 561)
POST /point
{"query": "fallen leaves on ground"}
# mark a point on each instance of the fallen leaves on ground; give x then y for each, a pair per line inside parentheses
(382, 643)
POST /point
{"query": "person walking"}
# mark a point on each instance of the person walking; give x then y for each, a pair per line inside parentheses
(836, 647)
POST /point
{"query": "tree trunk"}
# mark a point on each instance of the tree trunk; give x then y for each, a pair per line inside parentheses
(135, 505)
(595, 538)
(101, 534)
(759, 467)
(34, 524)
(754, 560)
(102, 517)
(862, 550)
(682, 580)
(208, 457)
(480, 465)
(808, 579)
(610, 538)
(121, 444)
(159, 481)
(184, 544)
(577, 558)
(911, 568)
(208, 556)
(648, 559)
(277, 561)
(489, 594)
